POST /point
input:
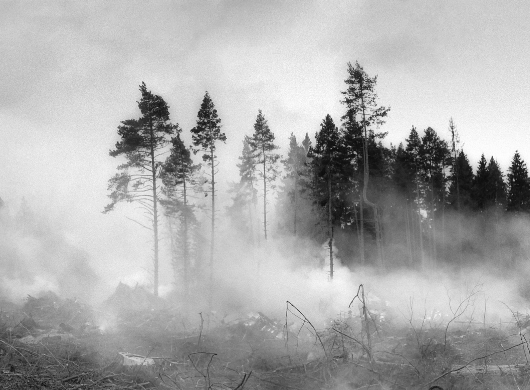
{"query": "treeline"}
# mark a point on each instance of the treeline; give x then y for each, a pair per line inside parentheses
(415, 205)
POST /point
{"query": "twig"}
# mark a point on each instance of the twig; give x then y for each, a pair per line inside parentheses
(367, 316)
(207, 375)
(142, 225)
(460, 310)
(200, 332)
(521, 335)
(11, 346)
(352, 338)
(245, 379)
(471, 361)
(309, 322)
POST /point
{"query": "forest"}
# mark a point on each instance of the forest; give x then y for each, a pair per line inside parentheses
(417, 205)
(339, 216)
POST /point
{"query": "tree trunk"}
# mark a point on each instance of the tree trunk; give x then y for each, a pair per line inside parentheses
(365, 182)
(433, 208)
(442, 245)
(173, 248)
(155, 209)
(295, 201)
(212, 239)
(357, 227)
(264, 194)
(361, 222)
(379, 239)
(186, 255)
(420, 229)
(330, 226)
(408, 234)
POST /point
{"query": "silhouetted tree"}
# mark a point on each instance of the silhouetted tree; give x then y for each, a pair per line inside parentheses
(205, 135)
(518, 186)
(363, 113)
(496, 187)
(461, 187)
(414, 165)
(178, 175)
(141, 141)
(480, 185)
(245, 193)
(434, 158)
(263, 147)
(296, 172)
(327, 167)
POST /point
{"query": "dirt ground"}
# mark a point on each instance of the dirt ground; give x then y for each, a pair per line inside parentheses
(54, 343)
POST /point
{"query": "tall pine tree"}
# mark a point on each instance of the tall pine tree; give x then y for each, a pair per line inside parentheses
(242, 210)
(363, 114)
(206, 135)
(461, 187)
(141, 141)
(327, 166)
(496, 187)
(263, 147)
(480, 185)
(178, 176)
(518, 186)
(434, 158)
(295, 167)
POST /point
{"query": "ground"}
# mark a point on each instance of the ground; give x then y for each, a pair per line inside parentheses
(54, 343)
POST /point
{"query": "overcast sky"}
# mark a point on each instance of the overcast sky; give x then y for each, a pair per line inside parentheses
(70, 70)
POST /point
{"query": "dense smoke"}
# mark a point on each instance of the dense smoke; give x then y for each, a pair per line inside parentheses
(252, 277)
(37, 257)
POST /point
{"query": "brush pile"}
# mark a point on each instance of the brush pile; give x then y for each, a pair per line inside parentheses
(53, 343)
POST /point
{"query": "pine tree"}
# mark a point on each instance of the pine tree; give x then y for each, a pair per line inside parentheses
(404, 180)
(327, 166)
(363, 114)
(480, 185)
(306, 143)
(496, 187)
(461, 187)
(434, 159)
(141, 141)
(412, 160)
(263, 147)
(295, 167)
(178, 176)
(205, 135)
(245, 193)
(518, 186)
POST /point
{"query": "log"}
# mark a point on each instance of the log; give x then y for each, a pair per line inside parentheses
(491, 369)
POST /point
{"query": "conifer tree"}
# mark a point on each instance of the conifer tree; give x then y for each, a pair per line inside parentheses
(327, 166)
(518, 186)
(263, 147)
(496, 187)
(461, 187)
(435, 158)
(295, 167)
(178, 175)
(245, 192)
(306, 143)
(206, 135)
(141, 141)
(364, 114)
(480, 184)
(403, 178)
(414, 170)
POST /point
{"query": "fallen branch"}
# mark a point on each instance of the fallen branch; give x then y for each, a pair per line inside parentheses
(245, 379)
(471, 361)
(309, 322)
